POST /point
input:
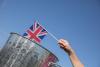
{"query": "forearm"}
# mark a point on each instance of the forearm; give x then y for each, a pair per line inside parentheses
(67, 48)
(74, 59)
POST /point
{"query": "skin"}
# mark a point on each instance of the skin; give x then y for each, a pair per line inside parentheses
(73, 57)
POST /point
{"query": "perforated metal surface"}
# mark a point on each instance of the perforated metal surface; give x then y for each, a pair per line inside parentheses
(22, 52)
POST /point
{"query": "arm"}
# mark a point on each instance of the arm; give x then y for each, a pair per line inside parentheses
(67, 48)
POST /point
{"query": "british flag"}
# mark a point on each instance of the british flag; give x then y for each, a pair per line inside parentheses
(36, 32)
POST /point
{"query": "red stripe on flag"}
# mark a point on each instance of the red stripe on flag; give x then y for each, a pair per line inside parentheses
(33, 35)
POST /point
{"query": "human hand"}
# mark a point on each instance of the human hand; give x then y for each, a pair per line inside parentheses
(74, 59)
(64, 44)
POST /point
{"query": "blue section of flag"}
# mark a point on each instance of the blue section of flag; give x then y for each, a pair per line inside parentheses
(25, 34)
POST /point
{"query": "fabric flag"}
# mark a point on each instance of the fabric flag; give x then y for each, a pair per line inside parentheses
(36, 32)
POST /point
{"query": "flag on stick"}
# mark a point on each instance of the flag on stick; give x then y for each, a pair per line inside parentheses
(36, 32)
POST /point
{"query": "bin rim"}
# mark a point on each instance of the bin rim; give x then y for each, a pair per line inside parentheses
(37, 44)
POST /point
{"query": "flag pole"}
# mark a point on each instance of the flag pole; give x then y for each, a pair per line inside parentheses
(48, 31)
(52, 36)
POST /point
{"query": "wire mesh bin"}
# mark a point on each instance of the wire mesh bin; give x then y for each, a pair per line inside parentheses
(22, 52)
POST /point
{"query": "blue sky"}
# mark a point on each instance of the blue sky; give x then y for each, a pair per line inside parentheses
(77, 21)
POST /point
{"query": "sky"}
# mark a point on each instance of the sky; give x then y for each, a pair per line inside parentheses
(77, 21)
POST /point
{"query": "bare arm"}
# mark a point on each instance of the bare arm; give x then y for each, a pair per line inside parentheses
(67, 48)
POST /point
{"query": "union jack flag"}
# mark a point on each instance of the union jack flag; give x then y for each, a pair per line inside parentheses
(36, 32)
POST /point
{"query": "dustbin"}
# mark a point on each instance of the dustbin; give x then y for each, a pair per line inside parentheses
(23, 52)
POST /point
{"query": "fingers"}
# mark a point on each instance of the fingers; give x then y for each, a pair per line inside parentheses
(64, 43)
(65, 46)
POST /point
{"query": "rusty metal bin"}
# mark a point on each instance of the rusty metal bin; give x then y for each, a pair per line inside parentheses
(22, 52)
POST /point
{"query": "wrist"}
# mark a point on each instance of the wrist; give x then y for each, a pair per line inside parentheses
(70, 51)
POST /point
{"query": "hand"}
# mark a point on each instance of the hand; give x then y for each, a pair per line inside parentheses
(74, 59)
(65, 45)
